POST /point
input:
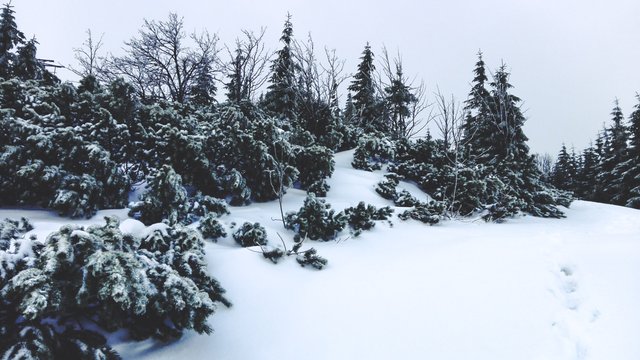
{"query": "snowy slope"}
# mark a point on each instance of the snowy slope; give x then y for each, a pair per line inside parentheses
(527, 289)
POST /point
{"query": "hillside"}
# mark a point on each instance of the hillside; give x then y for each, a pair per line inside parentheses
(529, 288)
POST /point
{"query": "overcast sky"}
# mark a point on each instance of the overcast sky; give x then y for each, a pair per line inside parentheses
(569, 59)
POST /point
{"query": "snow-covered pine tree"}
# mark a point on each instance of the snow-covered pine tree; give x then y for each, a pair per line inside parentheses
(398, 98)
(587, 174)
(164, 199)
(476, 127)
(281, 98)
(563, 175)
(365, 103)
(10, 38)
(614, 152)
(631, 177)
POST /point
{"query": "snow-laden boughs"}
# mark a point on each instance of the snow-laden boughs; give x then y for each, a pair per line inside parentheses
(372, 151)
(250, 235)
(153, 284)
(56, 168)
(315, 165)
(311, 258)
(211, 228)
(164, 199)
(429, 213)
(315, 220)
(363, 216)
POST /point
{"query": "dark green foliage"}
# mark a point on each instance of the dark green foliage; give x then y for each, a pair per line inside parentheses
(315, 220)
(154, 286)
(250, 235)
(53, 166)
(311, 258)
(404, 199)
(210, 227)
(315, 165)
(428, 213)
(363, 216)
(164, 199)
(387, 188)
(372, 152)
(366, 107)
(282, 97)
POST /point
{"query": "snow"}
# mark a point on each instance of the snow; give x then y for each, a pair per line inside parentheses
(529, 288)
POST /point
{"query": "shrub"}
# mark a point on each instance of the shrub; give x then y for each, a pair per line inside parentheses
(211, 228)
(315, 164)
(153, 285)
(372, 151)
(363, 216)
(387, 187)
(164, 199)
(428, 213)
(250, 235)
(311, 258)
(315, 220)
(404, 199)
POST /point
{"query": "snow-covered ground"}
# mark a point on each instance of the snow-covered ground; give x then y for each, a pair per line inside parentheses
(529, 288)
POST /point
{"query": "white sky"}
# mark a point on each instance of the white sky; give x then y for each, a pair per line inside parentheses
(569, 58)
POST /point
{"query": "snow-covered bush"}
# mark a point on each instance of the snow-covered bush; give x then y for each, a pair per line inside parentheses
(315, 165)
(404, 199)
(372, 151)
(315, 220)
(56, 168)
(211, 228)
(153, 285)
(311, 258)
(387, 187)
(164, 199)
(428, 213)
(250, 235)
(363, 216)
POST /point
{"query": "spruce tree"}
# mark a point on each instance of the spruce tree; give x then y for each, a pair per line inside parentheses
(564, 171)
(364, 94)
(281, 97)
(10, 38)
(614, 153)
(586, 174)
(398, 98)
(476, 127)
(631, 177)
(27, 65)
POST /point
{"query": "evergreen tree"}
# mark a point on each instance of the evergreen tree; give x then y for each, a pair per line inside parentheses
(631, 177)
(563, 175)
(586, 174)
(614, 153)
(282, 96)
(476, 124)
(398, 99)
(203, 90)
(365, 104)
(27, 66)
(10, 38)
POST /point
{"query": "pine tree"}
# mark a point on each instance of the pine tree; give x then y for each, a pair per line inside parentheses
(631, 177)
(364, 94)
(476, 127)
(27, 65)
(282, 94)
(564, 171)
(10, 38)
(203, 90)
(614, 153)
(586, 174)
(398, 99)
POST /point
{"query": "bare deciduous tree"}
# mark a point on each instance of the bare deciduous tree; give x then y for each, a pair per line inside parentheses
(160, 64)
(87, 56)
(246, 69)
